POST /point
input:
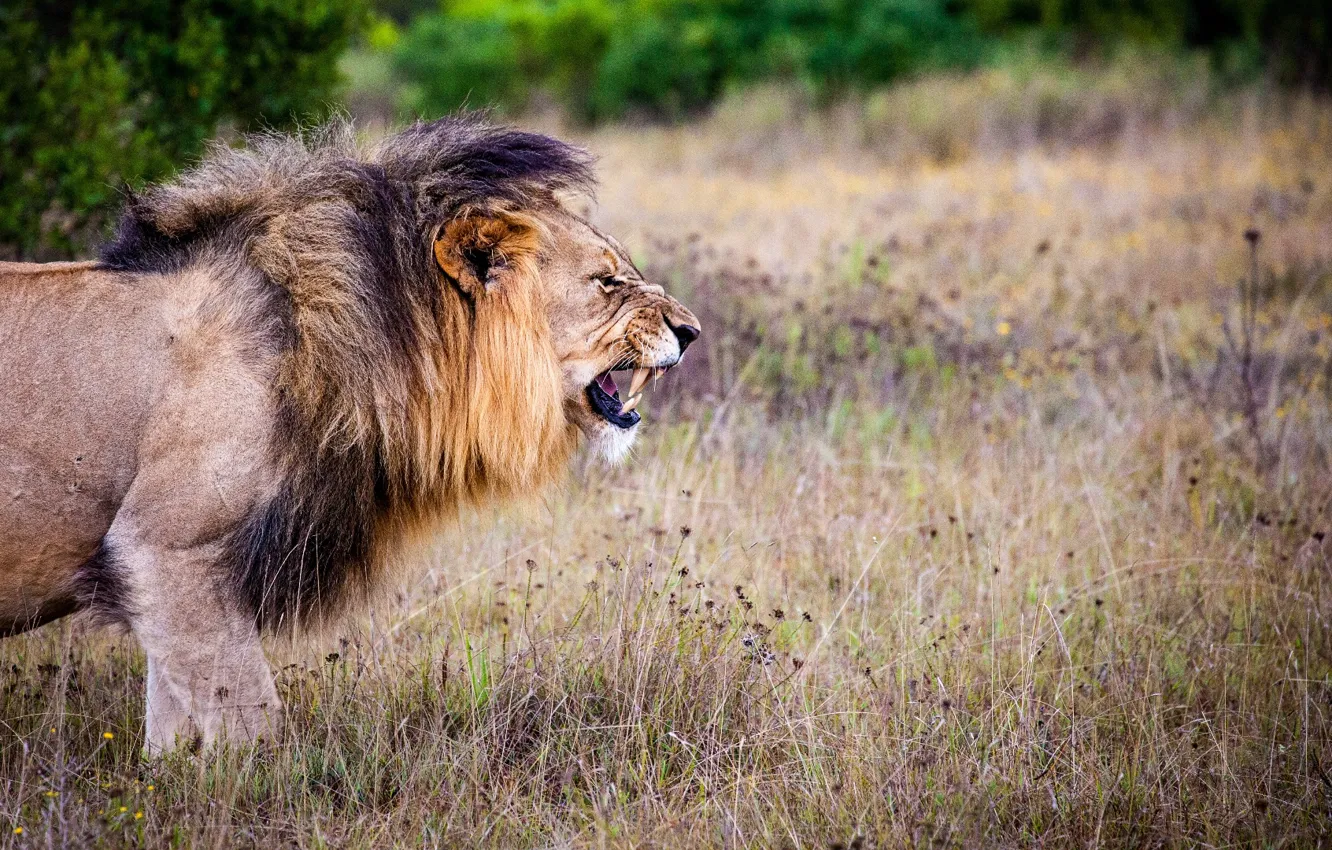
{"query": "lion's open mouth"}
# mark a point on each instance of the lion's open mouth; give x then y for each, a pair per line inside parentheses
(604, 396)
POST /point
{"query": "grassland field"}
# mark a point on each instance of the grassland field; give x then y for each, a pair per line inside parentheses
(991, 511)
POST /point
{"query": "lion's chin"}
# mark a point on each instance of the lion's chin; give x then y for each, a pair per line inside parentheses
(610, 443)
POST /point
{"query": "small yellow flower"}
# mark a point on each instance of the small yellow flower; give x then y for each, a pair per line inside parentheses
(1281, 413)
(50, 793)
(52, 730)
(150, 787)
(1003, 329)
(18, 830)
(138, 815)
(108, 735)
(124, 808)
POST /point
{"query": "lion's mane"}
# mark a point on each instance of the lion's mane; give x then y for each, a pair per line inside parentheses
(399, 398)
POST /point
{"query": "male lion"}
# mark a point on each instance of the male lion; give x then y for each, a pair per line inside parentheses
(287, 364)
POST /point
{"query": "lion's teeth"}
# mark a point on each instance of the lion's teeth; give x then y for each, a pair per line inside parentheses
(639, 381)
(631, 403)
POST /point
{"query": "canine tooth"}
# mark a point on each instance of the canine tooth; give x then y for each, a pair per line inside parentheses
(640, 380)
(631, 403)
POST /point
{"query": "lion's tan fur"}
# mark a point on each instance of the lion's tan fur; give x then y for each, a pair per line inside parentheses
(290, 361)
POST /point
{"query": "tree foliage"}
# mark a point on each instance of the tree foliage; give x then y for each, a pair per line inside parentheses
(603, 59)
(103, 93)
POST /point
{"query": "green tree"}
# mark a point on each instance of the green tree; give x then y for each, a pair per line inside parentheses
(99, 94)
(472, 57)
(603, 59)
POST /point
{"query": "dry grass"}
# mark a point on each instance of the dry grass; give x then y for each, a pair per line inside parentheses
(954, 533)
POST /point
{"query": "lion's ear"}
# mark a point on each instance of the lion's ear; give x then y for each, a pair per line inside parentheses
(477, 251)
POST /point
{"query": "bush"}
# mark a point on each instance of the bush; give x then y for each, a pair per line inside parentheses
(456, 62)
(880, 41)
(603, 59)
(1292, 39)
(97, 95)
(492, 53)
(665, 58)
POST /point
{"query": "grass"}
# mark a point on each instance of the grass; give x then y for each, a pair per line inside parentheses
(965, 527)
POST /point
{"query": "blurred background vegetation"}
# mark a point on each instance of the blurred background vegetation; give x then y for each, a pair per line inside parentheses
(99, 95)
(607, 59)
(106, 94)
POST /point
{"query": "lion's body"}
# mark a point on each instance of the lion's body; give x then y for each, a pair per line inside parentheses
(134, 432)
(73, 417)
(237, 418)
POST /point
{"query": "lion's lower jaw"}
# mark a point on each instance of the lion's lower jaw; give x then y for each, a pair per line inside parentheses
(612, 444)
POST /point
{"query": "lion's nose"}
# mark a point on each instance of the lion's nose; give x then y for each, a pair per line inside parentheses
(684, 333)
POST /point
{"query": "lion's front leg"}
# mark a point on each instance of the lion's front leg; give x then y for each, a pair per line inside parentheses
(208, 679)
(162, 570)
(208, 684)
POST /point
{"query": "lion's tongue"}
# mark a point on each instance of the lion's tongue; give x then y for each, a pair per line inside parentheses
(607, 384)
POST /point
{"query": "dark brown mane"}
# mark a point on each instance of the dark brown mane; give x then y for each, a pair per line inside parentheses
(380, 408)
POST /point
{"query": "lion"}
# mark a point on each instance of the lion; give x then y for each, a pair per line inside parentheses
(288, 364)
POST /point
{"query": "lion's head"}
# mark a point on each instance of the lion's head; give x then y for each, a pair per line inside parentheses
(602, 316)
(606, 318)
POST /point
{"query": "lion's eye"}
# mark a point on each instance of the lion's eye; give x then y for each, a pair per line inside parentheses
(609, 281)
